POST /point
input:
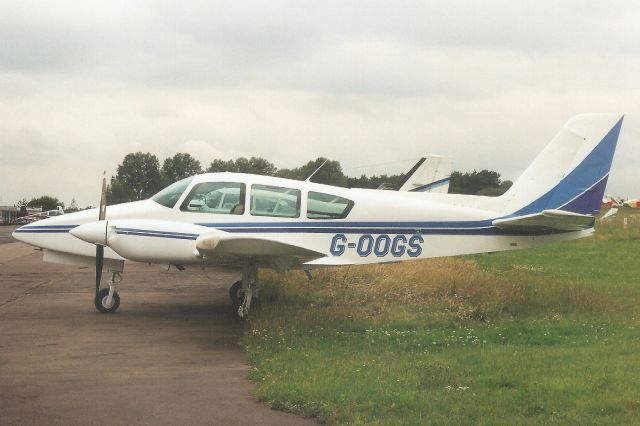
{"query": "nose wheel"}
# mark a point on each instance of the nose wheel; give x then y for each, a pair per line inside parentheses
(107, 299)
(104, 305)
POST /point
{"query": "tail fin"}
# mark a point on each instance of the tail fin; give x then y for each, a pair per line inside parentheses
(431, 174)
(571, 173)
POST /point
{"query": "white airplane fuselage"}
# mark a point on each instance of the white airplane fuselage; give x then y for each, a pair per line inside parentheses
(382, 226)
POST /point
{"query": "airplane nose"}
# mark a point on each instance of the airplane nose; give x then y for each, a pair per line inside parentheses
(92, 232)
(18, 234)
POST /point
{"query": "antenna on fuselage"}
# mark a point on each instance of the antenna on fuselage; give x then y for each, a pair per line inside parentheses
(316, 171)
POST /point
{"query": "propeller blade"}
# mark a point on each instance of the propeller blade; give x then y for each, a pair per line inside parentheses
(99, 263)
(103, 198)
(100, 249)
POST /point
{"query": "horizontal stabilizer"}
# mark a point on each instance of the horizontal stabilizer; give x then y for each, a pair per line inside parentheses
(558, 220)
(249, 245)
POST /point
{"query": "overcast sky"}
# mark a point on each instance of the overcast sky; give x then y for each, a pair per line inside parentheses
(366, 83)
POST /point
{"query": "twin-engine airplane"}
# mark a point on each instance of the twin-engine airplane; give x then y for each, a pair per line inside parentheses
(268, 222)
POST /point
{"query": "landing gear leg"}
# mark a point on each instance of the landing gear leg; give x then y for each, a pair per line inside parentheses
(249, 288)
(108, 300)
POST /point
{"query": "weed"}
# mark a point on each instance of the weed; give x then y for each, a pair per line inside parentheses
(548, 335)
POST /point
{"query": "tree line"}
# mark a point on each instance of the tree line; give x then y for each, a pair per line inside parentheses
(46, 202)
(140, 175)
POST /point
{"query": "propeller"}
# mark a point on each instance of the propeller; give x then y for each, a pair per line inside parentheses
(100, 248)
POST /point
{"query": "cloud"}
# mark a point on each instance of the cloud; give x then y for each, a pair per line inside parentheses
(83, 84)
(24, 147)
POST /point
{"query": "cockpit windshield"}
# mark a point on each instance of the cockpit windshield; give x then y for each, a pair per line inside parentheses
(170, 195)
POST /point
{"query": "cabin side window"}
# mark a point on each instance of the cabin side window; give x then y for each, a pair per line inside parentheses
(267, 200)
(216, 198)
(327, 206)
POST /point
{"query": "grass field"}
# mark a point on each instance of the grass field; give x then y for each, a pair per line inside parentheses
(550, 335)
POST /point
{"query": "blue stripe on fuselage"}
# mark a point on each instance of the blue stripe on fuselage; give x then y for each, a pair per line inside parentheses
(158, 234)
(45, 228)
(352, 224)
(426, 228)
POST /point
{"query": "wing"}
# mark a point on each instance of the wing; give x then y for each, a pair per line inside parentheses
(558, 220)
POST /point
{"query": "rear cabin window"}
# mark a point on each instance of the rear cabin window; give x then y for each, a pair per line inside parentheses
(275, 201)
(327, 206)
(215, 197)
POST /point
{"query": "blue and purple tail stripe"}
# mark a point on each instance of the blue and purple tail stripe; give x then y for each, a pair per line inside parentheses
(581, 190)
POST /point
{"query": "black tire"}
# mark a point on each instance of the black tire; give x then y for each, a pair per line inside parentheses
(101, 298)
(236, 294)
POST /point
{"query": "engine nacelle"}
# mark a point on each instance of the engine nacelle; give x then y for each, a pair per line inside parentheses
(142, 240)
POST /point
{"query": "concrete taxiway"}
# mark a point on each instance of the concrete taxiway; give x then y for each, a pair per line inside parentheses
(170, 355)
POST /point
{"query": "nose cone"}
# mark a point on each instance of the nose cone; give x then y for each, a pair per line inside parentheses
(92, 232)
(19, 233)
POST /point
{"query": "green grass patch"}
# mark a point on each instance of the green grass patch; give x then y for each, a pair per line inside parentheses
(550, 335)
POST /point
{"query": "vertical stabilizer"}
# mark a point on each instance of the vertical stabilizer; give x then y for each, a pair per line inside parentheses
(571, 173)
(431, 174)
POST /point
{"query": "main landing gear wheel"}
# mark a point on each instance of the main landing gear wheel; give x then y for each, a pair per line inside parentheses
(243, 291)
(102, 299)
(236, 293)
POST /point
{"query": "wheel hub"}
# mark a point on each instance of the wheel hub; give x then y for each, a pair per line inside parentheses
(105, 302)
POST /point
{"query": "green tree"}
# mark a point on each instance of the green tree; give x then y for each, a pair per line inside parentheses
(22, 205)
(218, 166)
(73, 207)
(374, 182)
(118, 192)
(180, 166)
(260, 166)
(253, 165)
(140, 173)
(46, 202)
(330, 173)
(484, 182)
